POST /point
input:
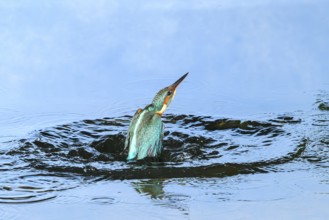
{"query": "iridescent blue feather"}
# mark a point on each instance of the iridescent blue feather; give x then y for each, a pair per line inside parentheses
(145, 133)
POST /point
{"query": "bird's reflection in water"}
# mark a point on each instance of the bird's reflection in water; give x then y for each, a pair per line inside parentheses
(155, 189)
(152, 188)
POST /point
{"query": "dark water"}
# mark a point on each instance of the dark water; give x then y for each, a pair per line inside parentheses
(245, 138)
(203, 153)
(218, 148)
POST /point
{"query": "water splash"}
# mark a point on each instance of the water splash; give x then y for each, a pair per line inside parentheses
(38, 167)
(194, 147)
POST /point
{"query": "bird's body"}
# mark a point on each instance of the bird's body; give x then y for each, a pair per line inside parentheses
(145, 133)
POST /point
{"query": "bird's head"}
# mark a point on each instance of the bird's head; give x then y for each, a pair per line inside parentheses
(164, 97)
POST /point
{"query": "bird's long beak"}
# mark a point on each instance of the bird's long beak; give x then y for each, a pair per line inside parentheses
(171, 87)
(175, 84)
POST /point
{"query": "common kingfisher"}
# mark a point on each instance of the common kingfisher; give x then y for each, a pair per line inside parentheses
(145, 133)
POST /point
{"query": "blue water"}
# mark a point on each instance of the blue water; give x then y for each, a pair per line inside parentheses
(62, 63)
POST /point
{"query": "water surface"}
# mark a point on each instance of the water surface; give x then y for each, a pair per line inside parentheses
(246, 136)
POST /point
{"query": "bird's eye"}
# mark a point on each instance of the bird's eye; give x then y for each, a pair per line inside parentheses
(169, 92)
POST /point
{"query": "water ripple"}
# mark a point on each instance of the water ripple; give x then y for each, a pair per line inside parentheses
(32, 187)
(194, 147)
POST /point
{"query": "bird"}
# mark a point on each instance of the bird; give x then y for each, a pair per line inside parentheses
(146, 129)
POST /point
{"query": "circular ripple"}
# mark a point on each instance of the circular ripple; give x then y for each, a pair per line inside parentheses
(103, 200)
(194, 146)
(32, 188)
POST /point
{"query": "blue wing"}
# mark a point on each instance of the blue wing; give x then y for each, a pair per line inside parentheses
(131, 133)
(150, 136)
(145, 135)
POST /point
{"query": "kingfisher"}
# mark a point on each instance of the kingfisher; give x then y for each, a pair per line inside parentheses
(145, 133)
